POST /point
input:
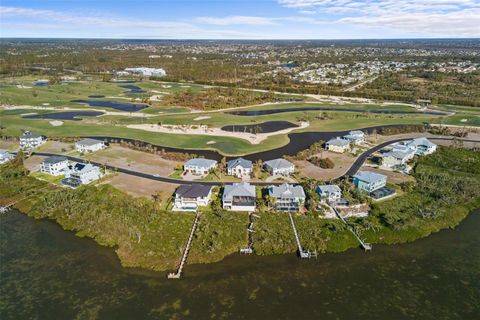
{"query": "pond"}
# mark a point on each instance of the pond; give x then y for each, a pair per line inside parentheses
(264, 127)
(297, 109)
(96, 96)
(132, 89)
(122, 106)
(48, 273)
(67, 115)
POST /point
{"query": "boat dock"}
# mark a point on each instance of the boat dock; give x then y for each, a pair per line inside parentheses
(187, 249)
(303, 254)
(363, 244)
(250, 231)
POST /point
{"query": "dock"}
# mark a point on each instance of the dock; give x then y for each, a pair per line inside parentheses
(366, 246)
(250, 231)
(178, 274)
(303, 254)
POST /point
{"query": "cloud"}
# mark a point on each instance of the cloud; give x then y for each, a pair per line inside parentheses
(236, 20)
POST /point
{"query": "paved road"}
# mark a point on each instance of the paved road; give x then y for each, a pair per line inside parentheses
(350, 172)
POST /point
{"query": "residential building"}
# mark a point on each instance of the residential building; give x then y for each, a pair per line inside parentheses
(146, 72)
(393, 159)
(279, 166)
(422, 146)
(30, 140)
(355, 136)
(329, 192)
(199, 166)
(5, 156)
(239, 167)
(89, 145)
(55, 165)
(81, 173)
(287, 197)
(189, 197)
(239, 197)
(369, 181)
(338, 145)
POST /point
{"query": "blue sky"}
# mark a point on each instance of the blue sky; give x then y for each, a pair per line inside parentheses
(241, 19)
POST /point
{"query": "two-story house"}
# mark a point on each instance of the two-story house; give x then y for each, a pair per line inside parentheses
(287, 197)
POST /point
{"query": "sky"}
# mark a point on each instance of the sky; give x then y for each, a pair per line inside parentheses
(240, 19)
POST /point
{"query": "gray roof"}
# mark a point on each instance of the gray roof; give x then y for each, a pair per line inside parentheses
(286, 191)
(397, 154)
(422, 142)
(328, 188)
(338, 142)
(278, 163)
(239, 162)
(242, 189)
(369, 176)
(356, 133)
(89, 142)
(200, 162)
(193, 190)
(54, 159)
(30, 135)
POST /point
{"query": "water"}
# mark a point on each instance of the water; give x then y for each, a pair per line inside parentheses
(122, 106)
(47, 273)
(67, 115)
(265, 127)
(132, 89)
(297, 109)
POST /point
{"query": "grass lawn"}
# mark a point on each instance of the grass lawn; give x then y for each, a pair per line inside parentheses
(48, 177)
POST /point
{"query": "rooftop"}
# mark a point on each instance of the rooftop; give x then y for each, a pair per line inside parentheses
(243, 189)
(286, 191)
(369, 176)
(54, 159)
(193, 190)
(279, 163)
(200, 162)
(338, 142)
(329, 188)
(89, 142)
(239, 162)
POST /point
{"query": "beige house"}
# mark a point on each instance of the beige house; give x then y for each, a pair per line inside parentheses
(338, 145)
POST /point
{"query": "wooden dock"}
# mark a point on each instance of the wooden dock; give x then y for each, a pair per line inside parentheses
(250, 231)
(303, 254)
(363, 244)
(187, 249)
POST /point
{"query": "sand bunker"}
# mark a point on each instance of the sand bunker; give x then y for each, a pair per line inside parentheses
(211, 142)
(201, 118)
(56, 123)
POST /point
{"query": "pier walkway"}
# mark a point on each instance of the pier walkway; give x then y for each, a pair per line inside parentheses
(187, 249)
(363, 244)
(303, 254)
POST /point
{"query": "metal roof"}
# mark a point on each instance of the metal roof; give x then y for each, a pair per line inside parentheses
(286, 191)
(278, 163)
(193, 190)
(54, 159)
(369, 176)
(89, 142)
(243, 189)
(200, 162)
(239, 162)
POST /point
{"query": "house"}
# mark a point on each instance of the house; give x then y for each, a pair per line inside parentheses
(329, 192)
(279, 166)
(396, 158)
(146, 72)
(369, 181)
(287, 197)
(81, 173)
(338, 145)
(189, 197)
(5, 156)
(239, 167)
(199, 166)
(55, 165)
(355, 136)
(89, 145)
(239, 197)
(30, 140)
(423, 146)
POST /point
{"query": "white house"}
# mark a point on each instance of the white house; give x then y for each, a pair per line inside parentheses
(81, 173)
(89, 145)
(279, 166)
(239, 197)
(199, 166)
(338, 145)
(146, 72)
(329, 192)
(355, 136)
(55, 165)
(5, 156)
(30, 140)
(189, 197)
(287, 197)
(423, 146)
(396, 158)
(239, 167)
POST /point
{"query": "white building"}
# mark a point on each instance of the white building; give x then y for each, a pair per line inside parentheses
(287, 197)
(329, 192)
(279, 166)
(89, 145)
(146, 72)
(5, 156)
(239, 167)
(423, 146)
(55, 166)
(338, 145)
(81, 173)
(199, 166)
(239, 197)
(393, 159)
(30, 140)
(355, 136)
(190, 197)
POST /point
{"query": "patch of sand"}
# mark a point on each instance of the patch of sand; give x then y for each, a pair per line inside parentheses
(342, 163)
(21, 86)
(203, 130)
(201, 118)
(56, 123)
(141, 187)
(211, 142)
